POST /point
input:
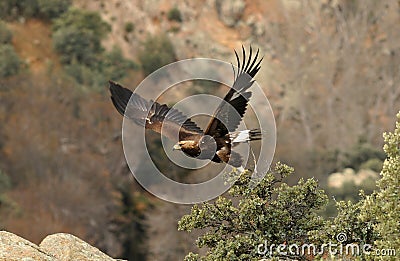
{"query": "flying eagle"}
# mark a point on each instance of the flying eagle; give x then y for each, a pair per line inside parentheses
(216, 141)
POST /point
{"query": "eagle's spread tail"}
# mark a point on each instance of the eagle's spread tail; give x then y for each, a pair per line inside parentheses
(245, 136)
(120, 97)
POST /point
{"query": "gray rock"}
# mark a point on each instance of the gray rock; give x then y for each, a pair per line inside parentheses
(54, 247)
(230, 11)
(13, 247)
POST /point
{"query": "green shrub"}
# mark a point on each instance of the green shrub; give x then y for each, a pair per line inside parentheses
(77, 36)
(115, 66)
(111, 65)
(47, 9)
(233, 227)
(5, 34)
(372, 164)
(272, 212)
(50, 9)
(382, 208)
(84, 74)
(129, 27)
(75, 44)
(175, 15)
(361, 153)
(9, 62)
(12, 9)
(8, 9)
(157, 52)
(375, 219)
(5, 182)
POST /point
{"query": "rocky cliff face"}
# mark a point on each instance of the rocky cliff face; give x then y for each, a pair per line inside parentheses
(225, 24)
(59, 246)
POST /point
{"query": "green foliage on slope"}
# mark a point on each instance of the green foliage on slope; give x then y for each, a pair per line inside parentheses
(45, 9)
(276, 214)
(5, 34)
(157, 52)
(272, 212)
(9, 62)
(77, 36)
(382, 208)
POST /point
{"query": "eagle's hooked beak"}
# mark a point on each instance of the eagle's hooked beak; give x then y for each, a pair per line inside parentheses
(176, 147)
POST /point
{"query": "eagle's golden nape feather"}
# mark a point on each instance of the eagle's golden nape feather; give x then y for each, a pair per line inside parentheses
(171, 123)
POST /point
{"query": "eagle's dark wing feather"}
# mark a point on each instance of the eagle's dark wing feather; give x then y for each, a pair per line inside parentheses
(231, 110)
(152, 115)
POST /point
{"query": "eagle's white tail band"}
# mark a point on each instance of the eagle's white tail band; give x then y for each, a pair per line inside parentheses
(242, 136)
(245, 136)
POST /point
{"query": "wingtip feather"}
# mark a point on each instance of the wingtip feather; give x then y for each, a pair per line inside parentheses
(119, 96)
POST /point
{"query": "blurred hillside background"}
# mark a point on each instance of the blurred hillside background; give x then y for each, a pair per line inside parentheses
(331, 72)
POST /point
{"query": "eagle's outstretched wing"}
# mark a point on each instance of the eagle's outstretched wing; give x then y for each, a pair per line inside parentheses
(231, 111)
(153, 115)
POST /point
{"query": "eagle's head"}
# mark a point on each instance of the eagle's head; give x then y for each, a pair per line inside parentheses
(204, 148)
(186, 145)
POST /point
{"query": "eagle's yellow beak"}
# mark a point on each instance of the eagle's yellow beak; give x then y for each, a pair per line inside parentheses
(177, 147)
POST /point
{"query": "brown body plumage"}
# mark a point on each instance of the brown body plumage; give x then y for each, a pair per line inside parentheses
(217, 140)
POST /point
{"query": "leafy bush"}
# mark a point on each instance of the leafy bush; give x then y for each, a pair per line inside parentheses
(8, 9)
(12, 9)
(354, 230)
(114, 65)
(111, 65)
(9, 62)
(283, 215)
(5, 182)
(375, 219)
(77, 36)
(381, 210)
(129, 27)
(361, 153)
(272, 211)
(50, 9)
(175, 15)
(5, 34)
(372, 164)
(75, 44)
(158, 51)
(84, 74)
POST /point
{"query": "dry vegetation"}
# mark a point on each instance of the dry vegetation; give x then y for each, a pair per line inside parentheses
(331, 71)
(337, 69)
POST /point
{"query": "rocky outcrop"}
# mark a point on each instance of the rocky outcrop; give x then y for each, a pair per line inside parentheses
(348, 175)
(230, 11)
(59, 246)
